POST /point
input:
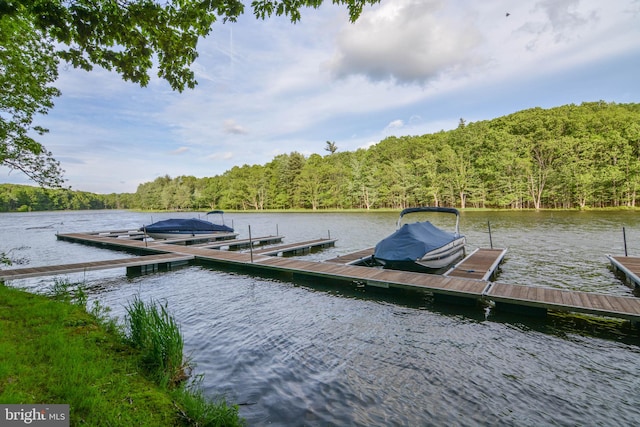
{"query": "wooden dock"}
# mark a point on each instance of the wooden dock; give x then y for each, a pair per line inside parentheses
(299, 248)
(354, 258)
(236, 244)
(136, 264)
(628, 267)
(195, 239)
(466, 287)
(481, 264)
(512, 297)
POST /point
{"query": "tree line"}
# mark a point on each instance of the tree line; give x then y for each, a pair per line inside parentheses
(573, 156)
(26, 198)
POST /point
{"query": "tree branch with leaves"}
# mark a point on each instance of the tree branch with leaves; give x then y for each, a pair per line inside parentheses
(130, 37)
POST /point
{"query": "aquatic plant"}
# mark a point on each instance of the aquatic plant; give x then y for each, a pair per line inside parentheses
(152, 330)
(197, 410)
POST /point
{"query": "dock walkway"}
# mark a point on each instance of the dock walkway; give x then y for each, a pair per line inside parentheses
(296, 248)
(235, 244)
(154, 262)
(353, 258)
(202, 238)
(481, 264)
(517, 298)
(628, 266)
(545, 298)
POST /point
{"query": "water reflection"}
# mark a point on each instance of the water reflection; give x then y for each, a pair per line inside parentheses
(315, 353)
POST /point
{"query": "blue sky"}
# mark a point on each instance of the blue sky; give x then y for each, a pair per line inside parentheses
(406, 67)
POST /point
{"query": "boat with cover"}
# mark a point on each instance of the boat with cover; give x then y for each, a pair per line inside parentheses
(187, 227)
(420, 246)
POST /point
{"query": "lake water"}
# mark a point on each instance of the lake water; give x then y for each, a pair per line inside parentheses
(316, 354)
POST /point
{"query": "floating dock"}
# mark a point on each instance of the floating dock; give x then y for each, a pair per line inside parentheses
(354, 258)
(237, 244)
(299, 248)
(540, 299)
(481, 264)
(467, 281)
(140, 264)
(628, 267)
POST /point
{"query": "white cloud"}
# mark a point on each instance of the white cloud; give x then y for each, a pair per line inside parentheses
(230, 126)
(565, 16)
(227, 155)
(409, 41)
(407, 67)
(180, 150)
(396, 124)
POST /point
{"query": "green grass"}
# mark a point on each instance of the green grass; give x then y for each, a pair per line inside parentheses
(53, 351)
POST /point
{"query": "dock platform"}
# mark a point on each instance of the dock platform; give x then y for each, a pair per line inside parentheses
(512, 297)
(628, 267)
(135, 264)
(195, 239)
(354, 258)
(236, 244)
(481, 264)
(299, 248)
(515, 298)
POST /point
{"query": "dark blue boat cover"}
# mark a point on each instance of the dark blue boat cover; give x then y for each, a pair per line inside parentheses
(186, 225)
(411, 241)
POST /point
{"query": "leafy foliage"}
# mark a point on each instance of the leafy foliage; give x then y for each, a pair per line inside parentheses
(28, 66)
(565, 157)
(127, 36)
(23, 198)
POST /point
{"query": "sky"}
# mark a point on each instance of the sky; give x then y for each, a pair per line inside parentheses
(406, 67)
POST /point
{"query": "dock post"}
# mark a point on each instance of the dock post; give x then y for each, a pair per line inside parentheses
(490, 238)
(250, 245)
(624, 239)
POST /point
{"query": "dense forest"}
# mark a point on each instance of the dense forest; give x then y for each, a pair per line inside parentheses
(565, 157)
(24, 198)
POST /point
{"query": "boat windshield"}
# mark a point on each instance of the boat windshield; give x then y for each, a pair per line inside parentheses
(433, 215)
(219, 215)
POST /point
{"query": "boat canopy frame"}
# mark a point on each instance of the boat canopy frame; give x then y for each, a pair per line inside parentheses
(454, 211)
(216, 212)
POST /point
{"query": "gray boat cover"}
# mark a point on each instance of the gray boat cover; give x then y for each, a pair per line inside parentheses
(186, 225)
(411, 241)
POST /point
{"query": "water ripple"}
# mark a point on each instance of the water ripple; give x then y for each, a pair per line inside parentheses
(320, 355)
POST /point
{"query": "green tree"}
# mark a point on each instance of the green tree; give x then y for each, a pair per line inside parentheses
(335, 177)
(309, 182)
(128, 36)
(211, 191)
(286, 168)
(331, 147)
(28, 67)
(431, 183)
(363, 185)
(248, 187)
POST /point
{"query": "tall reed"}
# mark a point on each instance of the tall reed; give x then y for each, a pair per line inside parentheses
(153, 330)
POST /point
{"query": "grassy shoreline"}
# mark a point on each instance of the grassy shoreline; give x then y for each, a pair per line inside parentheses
(54, 351)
